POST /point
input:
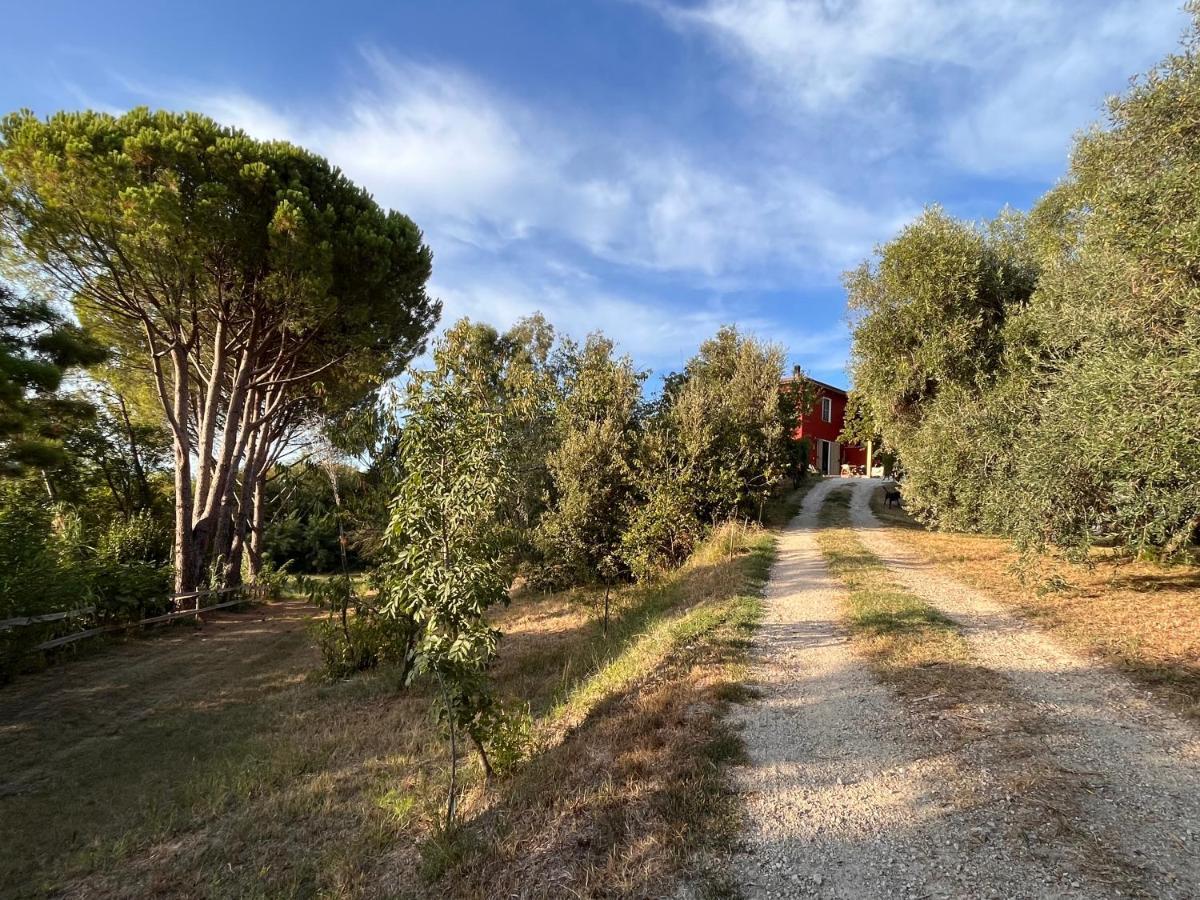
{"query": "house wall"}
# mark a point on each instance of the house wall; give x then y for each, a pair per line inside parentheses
(815, 430)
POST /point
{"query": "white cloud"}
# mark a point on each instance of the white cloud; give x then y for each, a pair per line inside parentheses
(997, 85)
(825, 52)
(1025, 117)
(657, 335)
(478, 170)
(533, 209)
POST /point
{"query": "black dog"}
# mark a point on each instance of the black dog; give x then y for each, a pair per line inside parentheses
(891, 496)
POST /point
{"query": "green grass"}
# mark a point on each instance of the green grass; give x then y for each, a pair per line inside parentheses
(898, 630)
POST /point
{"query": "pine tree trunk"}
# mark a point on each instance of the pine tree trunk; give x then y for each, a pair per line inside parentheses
(257, 515)
(207, 428)
(185, 575)
(244, 511)
(139, 472)
(207, 526)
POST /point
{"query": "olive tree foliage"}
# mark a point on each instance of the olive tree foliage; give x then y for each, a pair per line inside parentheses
(718, 441)
(444, 568)
(250, 285)
(1044, 380)
(1111, 341)
(929, 315)
(730, 423)
(592, 466)
(523, 369)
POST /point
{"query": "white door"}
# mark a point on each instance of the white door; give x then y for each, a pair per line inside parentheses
(830, 458)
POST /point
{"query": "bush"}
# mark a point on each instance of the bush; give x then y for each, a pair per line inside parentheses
(356, 637)
(508, 733)
(358, 646)
(273, 578)
(39, 572)
(662, 533)
(131, 571)
(48, 564)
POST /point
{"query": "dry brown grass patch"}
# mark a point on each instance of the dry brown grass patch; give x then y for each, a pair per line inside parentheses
(209, 764)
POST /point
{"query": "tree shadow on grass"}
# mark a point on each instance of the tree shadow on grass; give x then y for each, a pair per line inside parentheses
(620, 803)
(213, 766)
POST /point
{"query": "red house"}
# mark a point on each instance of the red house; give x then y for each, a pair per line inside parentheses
(821, 425)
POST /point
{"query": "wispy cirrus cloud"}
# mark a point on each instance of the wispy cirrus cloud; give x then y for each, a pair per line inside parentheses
(847, 115)
(994, 85)
(657, 335)
(477, 167)
(640, 236)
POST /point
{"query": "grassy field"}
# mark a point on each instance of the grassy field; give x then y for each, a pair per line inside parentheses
(1140, 617)
(210, 762)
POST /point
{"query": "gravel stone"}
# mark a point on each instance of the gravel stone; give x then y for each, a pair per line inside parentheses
(852, 792)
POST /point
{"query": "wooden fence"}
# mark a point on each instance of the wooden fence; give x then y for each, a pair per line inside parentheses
(247, 593)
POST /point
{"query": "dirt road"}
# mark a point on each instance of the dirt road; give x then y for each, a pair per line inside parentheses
(1074, 785)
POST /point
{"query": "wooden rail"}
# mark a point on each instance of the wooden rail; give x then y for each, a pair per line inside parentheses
(251, 592)
(46, 617)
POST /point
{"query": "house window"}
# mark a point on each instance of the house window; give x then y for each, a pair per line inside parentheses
(826, 409)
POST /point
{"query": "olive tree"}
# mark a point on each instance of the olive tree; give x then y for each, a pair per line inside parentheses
(1042, 377)
(1111, 340)
(929, 317)
(592, 466)
(730, 420)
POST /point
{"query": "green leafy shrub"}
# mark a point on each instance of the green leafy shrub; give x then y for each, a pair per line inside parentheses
(39, 572)
(356, 636)
(131, 571)
(662, 532)
(508, 730)
(47, 564)
(273, 578)
(359, 645)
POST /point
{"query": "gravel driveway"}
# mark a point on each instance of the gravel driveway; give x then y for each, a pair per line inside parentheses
(853, 792)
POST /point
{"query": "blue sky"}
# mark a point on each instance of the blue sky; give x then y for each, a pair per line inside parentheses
(651, 168)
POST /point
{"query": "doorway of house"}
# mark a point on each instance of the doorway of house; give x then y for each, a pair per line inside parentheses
(831, 458)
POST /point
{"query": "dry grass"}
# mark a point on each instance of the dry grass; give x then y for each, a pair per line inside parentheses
(1138, 616)
(209, 763)
(626, 789)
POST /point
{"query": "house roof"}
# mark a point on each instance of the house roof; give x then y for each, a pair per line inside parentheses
(821, 384)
